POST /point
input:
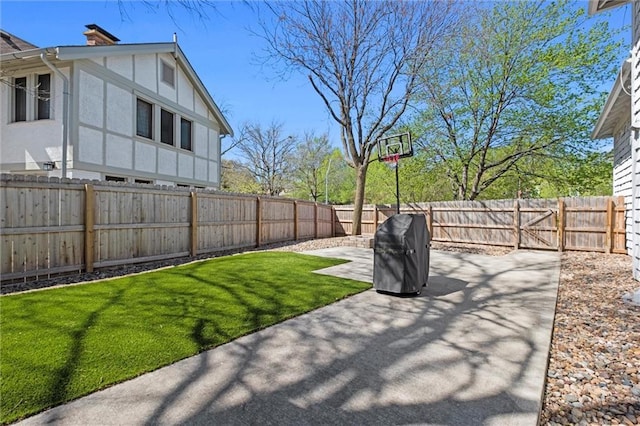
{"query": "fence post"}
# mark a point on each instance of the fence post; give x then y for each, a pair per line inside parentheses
(315, 221)
(333, 222)
(295, 221)
(561, 221)
(610, 223)
(89, 222)
(516, 225)
(430, 221)
(375, 218)
(194, 224)
(258, 222)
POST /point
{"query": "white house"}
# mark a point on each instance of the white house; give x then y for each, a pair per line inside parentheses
(107, 111)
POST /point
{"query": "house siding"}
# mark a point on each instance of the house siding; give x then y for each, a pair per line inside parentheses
(622, 177)
(635, 140)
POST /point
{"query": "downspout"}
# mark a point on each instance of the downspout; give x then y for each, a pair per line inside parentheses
(65, 111)
(220, 137)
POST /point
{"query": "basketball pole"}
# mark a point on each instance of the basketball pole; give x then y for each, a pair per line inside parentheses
(397, 188)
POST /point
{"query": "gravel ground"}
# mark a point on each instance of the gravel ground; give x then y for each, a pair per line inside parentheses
(594, 368)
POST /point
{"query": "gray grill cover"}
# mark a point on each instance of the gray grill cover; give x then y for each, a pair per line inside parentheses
(401, 254)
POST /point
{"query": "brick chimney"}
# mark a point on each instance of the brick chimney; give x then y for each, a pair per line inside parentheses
(97, 36)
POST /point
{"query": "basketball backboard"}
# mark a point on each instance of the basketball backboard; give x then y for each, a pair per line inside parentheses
(396, 146)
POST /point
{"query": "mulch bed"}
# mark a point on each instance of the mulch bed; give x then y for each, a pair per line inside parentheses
(593, 376)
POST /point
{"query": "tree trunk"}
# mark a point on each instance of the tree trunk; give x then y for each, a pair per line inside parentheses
(361, 177)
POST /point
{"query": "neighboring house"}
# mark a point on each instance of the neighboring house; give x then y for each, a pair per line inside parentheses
(107, 111)
(620, 119)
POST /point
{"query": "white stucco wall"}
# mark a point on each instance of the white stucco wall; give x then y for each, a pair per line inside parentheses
(122, 65)
(90, 93)
(120, 110)
(26, 145)
(90, 145)
(145, 157)
(185, 91)
(185, 165)
(145, 71)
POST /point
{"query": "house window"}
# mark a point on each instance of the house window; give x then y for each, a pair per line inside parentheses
(145, 181)
(166, 127)
(20, 99)
(167, 74)
(115, 178)
(32, 97)
(185, 134)
(144, 119)
(44, 97)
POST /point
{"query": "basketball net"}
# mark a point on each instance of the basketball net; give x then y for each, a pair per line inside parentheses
(392, 160)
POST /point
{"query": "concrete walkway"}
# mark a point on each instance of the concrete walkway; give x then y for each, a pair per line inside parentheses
(470, 350)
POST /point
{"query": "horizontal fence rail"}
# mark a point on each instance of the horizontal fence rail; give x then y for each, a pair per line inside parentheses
(51, 226)
(580, 223)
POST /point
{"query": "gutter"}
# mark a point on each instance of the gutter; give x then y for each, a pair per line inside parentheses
(65, 111)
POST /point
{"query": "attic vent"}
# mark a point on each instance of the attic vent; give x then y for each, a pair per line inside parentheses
(168, 74)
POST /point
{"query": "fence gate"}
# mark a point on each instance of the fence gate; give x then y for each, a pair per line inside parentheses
(537, 228)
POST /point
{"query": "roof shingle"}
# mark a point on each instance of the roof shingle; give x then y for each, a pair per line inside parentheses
(10, 43)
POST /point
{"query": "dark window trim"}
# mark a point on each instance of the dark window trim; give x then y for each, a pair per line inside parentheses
(145, 131)
(43, 101)
(186, 134)
(20, 99)
(167, 127)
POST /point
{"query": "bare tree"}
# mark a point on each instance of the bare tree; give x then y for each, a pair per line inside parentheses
(310, 157)
(362, 58)
(267, 155)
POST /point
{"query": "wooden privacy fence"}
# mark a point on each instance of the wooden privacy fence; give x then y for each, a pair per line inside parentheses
(51, 225)
(587, 223)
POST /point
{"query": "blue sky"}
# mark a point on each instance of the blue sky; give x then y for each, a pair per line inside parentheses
(221, 49)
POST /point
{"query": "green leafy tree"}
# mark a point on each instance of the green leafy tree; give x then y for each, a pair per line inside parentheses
(521, 81)
(579, 175)
(236, 178)
(362, 58)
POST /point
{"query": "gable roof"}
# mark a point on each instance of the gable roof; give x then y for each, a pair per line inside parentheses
(10, 43)
(69, 53)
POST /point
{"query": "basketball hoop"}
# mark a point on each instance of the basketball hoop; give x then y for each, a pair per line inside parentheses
(391, 160)
(390, 150)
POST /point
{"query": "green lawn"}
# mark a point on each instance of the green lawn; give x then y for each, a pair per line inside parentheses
(59, 344)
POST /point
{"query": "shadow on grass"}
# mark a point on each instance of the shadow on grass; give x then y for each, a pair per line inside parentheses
(63, 377)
